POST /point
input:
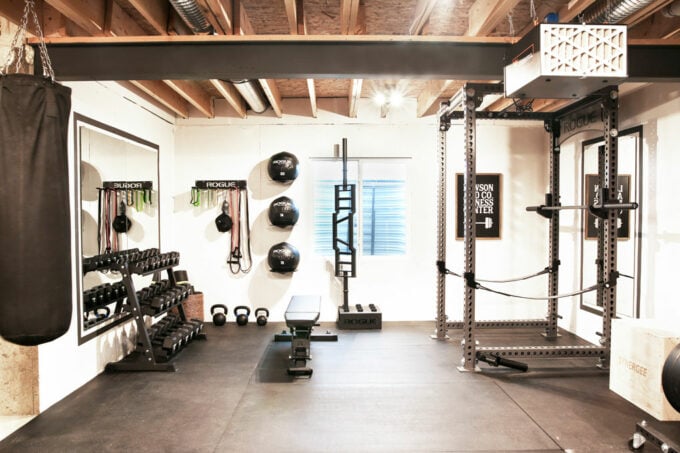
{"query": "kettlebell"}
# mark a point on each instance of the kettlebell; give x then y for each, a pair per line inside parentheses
(121, 223)
(261, 318)
(219, 317)
(223, 222)
(242, 318)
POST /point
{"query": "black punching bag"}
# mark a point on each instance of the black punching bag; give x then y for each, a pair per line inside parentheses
(35, 227)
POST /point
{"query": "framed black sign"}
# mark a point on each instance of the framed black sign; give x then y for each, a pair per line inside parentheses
(623, 196)
(487, 206)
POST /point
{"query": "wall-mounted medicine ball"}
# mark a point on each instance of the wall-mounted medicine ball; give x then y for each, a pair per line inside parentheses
(283, 257)
(283, 212)
(283, 167)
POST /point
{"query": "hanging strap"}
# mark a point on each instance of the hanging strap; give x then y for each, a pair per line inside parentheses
(247, 262)
(18, 44)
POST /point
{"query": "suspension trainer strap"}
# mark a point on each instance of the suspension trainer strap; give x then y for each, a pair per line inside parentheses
(247, 258)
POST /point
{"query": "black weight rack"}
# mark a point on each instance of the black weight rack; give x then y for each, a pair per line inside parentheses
(158, 344)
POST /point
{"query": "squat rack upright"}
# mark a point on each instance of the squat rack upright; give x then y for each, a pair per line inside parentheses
(463, 105)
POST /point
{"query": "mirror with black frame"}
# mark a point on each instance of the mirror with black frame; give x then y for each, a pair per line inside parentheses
(118, 199)
(629, 189)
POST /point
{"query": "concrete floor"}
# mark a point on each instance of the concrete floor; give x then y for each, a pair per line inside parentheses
(393, 390)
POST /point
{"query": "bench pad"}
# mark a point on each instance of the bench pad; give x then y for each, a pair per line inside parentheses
(303, 311)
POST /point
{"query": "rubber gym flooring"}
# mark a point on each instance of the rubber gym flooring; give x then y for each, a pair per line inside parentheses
(393, 390)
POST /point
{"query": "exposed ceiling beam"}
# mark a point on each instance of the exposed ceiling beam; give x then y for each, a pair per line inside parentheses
(354, 95)
(88, 15)
(298, 26)
(304, 57)
(165, 95)
(291, 13)
(485, 15)
(154, 12)
(272, 92)
(656, 26)
(423, 11)
(312, 96)
(194, 94)
(572, 9)
(349, 16)
(153, 100)
(429, 96)
(13, 10)
(107, 17)
(98, 18)
(645, 12)
(232, 96)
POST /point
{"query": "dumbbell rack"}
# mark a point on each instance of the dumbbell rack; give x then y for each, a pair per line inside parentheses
(149, 356)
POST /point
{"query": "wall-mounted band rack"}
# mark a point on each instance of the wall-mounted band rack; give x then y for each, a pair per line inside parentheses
(221, 184)
(128, 185)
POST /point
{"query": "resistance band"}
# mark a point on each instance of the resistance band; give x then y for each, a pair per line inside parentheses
(442, 268)
(547, 270)
(239, 260)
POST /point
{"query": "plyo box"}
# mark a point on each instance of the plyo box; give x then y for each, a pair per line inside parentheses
(639, 351)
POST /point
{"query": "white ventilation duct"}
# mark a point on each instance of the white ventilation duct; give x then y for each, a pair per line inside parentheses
(252, 93)
(250, 90)
(189, 11)
(672, 10)
(609, 12)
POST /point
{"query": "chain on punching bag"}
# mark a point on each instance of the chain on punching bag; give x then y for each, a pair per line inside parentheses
(35, 230)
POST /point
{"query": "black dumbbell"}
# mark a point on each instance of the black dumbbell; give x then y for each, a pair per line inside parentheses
(359, 308)
(372, 307)
(219, 317)
(242, 318)
(261, 316)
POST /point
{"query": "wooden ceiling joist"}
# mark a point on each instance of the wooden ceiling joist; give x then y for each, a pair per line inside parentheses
(194, 94)
(349, 16)
(573, 9)
(164, 95)
(423, 11)
(656, 26)
(354, 95)
(232, 96)
(485, 15)
(645, 12)
(271, 91)
(88, 15)
(312, 96)
(429, 96)
(154, 12)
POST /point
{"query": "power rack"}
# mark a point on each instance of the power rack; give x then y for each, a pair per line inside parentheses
(463, 105)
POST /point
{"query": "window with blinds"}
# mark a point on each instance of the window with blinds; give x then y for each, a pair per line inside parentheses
(380, 218)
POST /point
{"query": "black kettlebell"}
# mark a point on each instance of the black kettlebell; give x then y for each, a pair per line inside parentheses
(219, 317)
(242, 318)
(121, 223)
(261, 318)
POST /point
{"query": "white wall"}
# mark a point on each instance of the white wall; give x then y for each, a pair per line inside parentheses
(657, 109)
(517, 150)
(404, 287)
(64, 366)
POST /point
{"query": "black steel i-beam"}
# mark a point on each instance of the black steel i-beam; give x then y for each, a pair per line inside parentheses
(285, 56)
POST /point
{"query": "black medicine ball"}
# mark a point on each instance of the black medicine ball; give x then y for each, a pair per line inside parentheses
(283, 212)
(283, 257)
(283, 167)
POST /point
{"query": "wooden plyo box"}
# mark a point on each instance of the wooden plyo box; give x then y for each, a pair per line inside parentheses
(639, 351)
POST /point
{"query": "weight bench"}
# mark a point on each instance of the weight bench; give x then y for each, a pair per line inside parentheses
(301, 317)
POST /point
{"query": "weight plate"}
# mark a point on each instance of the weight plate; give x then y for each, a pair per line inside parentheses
(670, 378)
